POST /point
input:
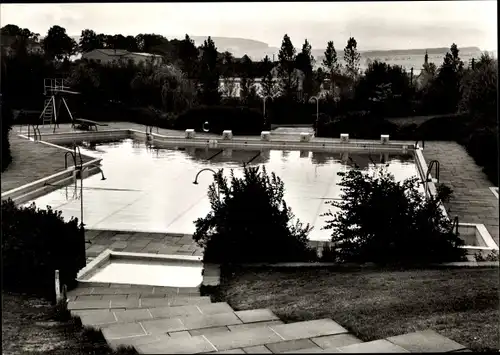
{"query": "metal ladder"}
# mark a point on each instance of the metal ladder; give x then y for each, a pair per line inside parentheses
(49, 111)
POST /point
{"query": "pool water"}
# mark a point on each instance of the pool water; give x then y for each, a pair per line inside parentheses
(149, 273)
(152, 190)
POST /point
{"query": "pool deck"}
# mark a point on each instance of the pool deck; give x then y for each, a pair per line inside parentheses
(472, 201)
(31, 161)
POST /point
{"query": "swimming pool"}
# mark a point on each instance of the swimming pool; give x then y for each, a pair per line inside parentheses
(151, 189)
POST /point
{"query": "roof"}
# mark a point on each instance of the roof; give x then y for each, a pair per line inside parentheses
(145, 54)
(109, 52)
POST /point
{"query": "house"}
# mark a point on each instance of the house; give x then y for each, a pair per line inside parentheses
(108, 56)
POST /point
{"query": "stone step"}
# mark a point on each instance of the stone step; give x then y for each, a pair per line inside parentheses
(134, 290)
(106, 317)
(256, 336)
(171, 300)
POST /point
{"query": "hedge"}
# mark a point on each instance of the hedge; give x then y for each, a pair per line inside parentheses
(37, 242)
(6, 127)
(240, 120)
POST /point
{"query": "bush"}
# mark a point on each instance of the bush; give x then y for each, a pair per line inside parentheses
(6, 127)
(388, 222)
(37, 242)
(482, 145)
(250, 222)
(240, 120)
(359, 125)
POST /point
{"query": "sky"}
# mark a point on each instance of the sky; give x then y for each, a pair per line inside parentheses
(375, 25)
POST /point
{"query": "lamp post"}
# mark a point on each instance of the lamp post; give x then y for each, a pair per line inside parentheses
(213, 172)
(317, 113)
(81, 187)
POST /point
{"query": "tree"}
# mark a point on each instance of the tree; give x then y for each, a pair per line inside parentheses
(15, 31)
(268, 83)
(89, 41)
(448, 81)
(209, 75)
(247, 80)
(147, 42)
(352, 58)
(228, 74)
(304, 62)
(250, 222)
(388, 222)
(332, 65)
(188, 54)
(287, 78)
(57, 44)
(479, 90)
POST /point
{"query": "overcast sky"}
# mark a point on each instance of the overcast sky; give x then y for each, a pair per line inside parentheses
(375, 25)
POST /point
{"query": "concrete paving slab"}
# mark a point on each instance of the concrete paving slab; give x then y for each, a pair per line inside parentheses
(259, 349)
(256, 315)
(316, 349)
(100, 304)
(308, 329)
(253, 325)
(163, 326)
(214, 308)
(174, 312)
(191, 345)
(290, 345)
(425, 341)
(117, 331)
(209, 321)
(336, 341)
(211, 330)
(376, 346)
(184, 301)
(134, 341)
(133, 315)
(231, 351)
(97, 318)
(243, 338)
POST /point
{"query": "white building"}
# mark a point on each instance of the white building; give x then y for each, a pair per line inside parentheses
(108, 56)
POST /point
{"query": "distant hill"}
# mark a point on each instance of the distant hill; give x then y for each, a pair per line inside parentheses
(257, 50)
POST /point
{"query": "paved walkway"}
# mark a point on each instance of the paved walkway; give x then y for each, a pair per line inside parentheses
(473, 201)
(161, 320)
(138, 242)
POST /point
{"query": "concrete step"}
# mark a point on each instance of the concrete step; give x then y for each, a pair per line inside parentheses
(114, 292)
(288, 335)
(106, 317)
(130, 303)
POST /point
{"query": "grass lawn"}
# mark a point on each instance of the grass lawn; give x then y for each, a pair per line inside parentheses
(31, 325)
(459, 303)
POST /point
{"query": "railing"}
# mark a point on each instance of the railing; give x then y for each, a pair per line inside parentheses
(36, 132)
(416, 144)
(454, 226)
(433, 163)
(76, 150)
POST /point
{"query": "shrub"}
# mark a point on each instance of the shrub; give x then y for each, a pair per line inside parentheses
(482, 145)
(250, 222)
(37, 242)
(6, 127)
(328, 253)
(240, 120)
(388, 222)
(360, 125)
